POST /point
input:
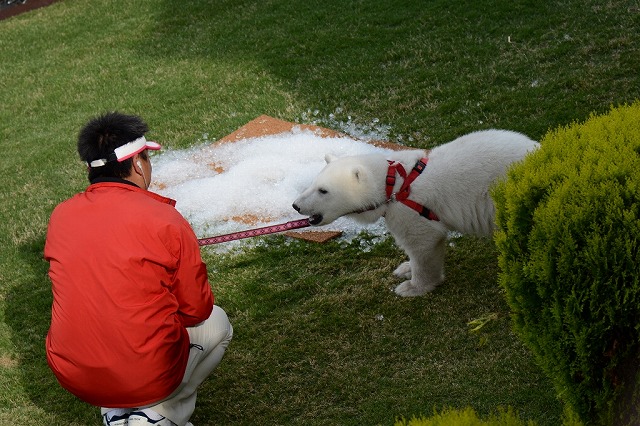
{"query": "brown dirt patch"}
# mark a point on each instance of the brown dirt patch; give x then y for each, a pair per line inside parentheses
(8, 10)
(7, 362)
(265, 125)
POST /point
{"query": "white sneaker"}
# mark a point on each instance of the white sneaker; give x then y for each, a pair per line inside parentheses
(109, 419)
(148, 417)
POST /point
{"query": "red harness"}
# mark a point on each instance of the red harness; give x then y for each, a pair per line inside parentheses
(403, 194)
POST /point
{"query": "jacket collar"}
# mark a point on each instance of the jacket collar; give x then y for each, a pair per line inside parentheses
(106, 182)
(113, 179)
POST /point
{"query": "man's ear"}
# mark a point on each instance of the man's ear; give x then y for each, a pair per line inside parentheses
(136, 165)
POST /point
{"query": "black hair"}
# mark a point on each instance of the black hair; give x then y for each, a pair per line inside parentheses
(102, 135)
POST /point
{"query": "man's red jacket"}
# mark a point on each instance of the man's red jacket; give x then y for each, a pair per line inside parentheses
(127, 278)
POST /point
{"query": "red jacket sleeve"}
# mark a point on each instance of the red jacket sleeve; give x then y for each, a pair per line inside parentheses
(190, 284)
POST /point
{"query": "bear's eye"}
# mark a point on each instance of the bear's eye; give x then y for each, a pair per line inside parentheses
(322, 191)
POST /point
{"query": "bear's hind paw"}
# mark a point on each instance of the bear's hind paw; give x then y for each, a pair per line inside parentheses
(403, 271)
(409, 289)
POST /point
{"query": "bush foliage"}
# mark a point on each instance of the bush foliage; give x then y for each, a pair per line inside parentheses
(469, 417)
(568, 238)
(466, 417)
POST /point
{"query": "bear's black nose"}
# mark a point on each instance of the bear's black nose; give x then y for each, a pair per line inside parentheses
(295, 207)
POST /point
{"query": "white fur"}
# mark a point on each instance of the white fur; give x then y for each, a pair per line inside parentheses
(454, 185)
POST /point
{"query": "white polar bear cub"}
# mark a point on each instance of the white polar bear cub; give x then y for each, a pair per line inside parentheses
(454, 185)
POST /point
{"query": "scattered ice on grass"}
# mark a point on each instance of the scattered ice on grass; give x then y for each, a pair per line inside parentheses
(372, 131)
(222, 188)
(452, 236)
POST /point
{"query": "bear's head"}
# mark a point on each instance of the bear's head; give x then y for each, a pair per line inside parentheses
(346, 185)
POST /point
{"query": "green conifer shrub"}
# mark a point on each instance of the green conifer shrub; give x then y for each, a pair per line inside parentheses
(466, 417)
(568, 237)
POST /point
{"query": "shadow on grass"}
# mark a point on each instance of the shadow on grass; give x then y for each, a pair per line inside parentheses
(320, 339)
(433, 69)
(385, 60)
(28, 314)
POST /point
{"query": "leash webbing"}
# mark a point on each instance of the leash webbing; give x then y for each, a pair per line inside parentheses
(401, 196)
(294, 224)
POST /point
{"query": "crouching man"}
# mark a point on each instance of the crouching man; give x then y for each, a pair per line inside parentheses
(134, 329)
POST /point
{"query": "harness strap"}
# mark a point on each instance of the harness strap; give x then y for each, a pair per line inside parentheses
(422, 210)
(403, 193)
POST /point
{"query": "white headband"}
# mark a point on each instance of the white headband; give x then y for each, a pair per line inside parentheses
(127, 150)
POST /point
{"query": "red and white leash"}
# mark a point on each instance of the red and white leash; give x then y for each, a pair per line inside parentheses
(400, 196)
(294, 224)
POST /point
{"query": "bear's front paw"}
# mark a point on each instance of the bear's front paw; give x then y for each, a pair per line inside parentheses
(410, 289)
(403, 271)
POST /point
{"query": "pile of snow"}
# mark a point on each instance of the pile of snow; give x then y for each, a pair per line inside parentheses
(234, 186)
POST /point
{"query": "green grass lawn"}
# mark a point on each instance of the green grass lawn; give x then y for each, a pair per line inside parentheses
(320, 339)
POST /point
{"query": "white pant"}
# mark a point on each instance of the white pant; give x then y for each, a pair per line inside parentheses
(209, 340)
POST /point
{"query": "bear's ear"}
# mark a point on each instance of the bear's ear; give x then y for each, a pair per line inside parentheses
(329, 158)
